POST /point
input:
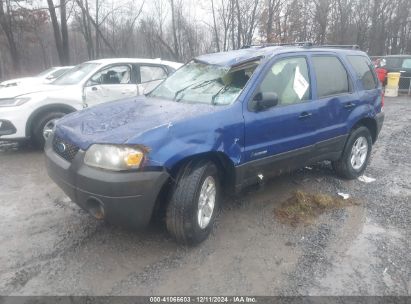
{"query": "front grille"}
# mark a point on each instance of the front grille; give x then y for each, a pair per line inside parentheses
(65, 149)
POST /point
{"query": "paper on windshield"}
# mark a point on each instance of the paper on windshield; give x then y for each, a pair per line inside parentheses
(300, 84)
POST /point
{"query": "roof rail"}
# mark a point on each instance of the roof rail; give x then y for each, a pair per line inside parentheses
(340, 46)
(303, 44)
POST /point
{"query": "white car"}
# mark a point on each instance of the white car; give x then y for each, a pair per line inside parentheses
(46, 76)
(29, 112)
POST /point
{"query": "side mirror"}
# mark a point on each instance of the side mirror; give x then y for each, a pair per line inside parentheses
(265, 100)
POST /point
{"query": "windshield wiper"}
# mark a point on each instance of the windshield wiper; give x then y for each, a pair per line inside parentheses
(195, 85)
(223, 89)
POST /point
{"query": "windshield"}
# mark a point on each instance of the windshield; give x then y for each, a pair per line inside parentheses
(44, 73)
(204, 83)
(76, 74)
(58, 73)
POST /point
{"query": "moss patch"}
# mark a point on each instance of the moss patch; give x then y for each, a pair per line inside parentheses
(303, 206)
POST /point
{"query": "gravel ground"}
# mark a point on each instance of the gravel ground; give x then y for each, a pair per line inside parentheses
(51, 247)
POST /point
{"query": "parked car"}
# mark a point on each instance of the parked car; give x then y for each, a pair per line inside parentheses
(29, 112)
(46, 76)
(401, 64)
(222, 122)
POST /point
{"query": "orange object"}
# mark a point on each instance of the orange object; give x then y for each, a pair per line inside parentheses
(381, 74)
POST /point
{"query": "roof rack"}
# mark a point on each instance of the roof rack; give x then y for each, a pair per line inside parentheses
(306, 44)
(340, 46)
(303, 43)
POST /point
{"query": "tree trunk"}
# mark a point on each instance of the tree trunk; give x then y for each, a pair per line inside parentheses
(6, 25)
(64, 34)
(174, 29)
(56, 31)
(217, 39)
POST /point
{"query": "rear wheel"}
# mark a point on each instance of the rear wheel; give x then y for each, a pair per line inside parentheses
(194, 202)
(43, 127)
(356, 154)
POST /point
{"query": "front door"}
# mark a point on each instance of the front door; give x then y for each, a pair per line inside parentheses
(111, 83)
(282, 137)
(150, 77)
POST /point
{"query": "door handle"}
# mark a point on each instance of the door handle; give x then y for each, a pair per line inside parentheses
(305, 115)
(349, 105)
(94, 88)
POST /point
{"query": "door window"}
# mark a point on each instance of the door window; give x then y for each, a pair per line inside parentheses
(406, 64)
(119, 74)
(332, 78)
(151, 73)
(289, 79)
(362, 67)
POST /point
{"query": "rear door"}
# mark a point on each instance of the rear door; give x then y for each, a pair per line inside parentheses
(367, 82)
(110, 83)
(281, 137)
(336, 98)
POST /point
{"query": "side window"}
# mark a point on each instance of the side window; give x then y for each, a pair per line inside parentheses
(289, 79)
(332, 78)
(151, 73)
(362, 67)
(119, 74)
(406, 64)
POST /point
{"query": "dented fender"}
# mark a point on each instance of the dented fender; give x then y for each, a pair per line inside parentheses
(172, 142)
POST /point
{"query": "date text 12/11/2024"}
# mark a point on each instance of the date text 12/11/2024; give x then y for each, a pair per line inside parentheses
(203, 299)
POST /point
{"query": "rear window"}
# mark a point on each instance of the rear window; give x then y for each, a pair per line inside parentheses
(362, 67)
(332, 78)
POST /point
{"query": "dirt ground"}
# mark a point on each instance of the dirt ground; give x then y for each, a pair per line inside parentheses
(51, 247)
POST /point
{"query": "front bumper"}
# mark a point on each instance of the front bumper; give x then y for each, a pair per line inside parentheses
(13, 122)
(127, 198)
(7, 127)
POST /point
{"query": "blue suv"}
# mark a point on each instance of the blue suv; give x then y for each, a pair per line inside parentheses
(221, 122)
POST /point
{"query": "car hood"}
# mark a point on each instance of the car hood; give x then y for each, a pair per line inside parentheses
(12, 92)
(18, 80)
(124, 121)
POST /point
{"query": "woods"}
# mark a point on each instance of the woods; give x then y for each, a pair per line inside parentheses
(36, 34)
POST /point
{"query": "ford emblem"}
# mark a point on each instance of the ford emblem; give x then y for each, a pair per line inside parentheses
(61, 147)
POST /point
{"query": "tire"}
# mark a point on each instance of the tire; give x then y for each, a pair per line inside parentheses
(186, 221)
(37, 138)
(348, 168)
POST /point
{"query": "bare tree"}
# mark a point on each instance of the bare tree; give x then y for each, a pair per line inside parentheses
(6, 22)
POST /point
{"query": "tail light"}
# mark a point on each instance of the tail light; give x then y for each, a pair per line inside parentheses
(382, 99)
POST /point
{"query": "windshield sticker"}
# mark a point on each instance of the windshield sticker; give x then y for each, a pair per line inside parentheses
(300, 84)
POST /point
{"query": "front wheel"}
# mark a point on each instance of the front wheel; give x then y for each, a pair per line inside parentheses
(356, 154)
(43, 127)
(194, 201)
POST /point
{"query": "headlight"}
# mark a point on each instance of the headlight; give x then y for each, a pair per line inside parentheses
(116, 158)
(12, 102)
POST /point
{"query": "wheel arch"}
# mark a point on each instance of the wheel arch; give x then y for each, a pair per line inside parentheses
(224, 165)
(44, 109)
(370, 124)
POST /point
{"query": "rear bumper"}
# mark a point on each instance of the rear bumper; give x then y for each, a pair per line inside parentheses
(379, 118)
(126, 198)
